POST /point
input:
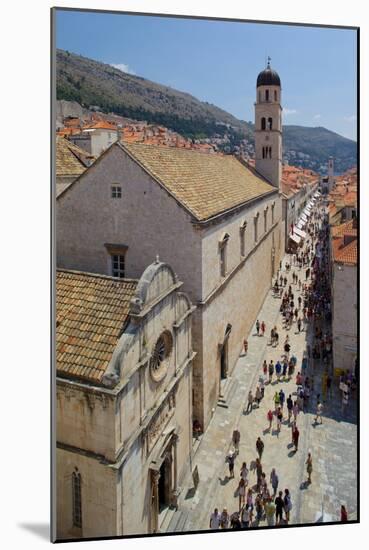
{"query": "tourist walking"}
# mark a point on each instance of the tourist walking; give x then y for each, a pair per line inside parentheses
(244, 472)
(258, 395)
(259, 447)
(319, 412)
(214, 520)
(250, 401)
(287, 504)
(245, 517)
(236, 437)
(230, 460)
(279, 419)
(224, 519)
(271, 371)
(263, 327)
(245, 346)
(289, 403)
(295, 437)
(270, 419)
(279, 504)
(241, 493)
(276, 402)
(270, 510)
(259, 471)
(257, 327)
(309, 467)
(274, 480)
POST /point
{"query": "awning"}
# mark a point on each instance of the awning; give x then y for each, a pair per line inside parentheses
(300, 224)
(306, 213)
(300, 233)
(295, 238)
(303, 218)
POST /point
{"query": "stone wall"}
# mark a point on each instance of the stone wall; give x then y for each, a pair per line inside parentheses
(344, 319)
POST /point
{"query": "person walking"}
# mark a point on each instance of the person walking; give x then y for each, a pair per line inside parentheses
(319, 411)
(259, 471)
(244, 472)
(245, 346)
(265, 368)
(278, 369)
(276, 402)
(299, 324)
(279, 504)
(289, 403)
(274, 480)
(250, 401)
(282, 398)
(271, 371)
(245, 517)
(230, 460)
(214, 520)
(241, 493)
(235, 521)
(270, 419)
(259, 447)
(263, 327)
(270, 509)
(279, 419)
(344, 515)
(287, 504)
(309, 467)
(250, 504)
(295, 437)
(258, 395)
(236, 437)
(224, 519)
(257, 327)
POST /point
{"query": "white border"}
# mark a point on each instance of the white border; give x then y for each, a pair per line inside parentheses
(25, 229)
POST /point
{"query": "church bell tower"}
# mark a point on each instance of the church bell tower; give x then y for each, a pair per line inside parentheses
(268, 126)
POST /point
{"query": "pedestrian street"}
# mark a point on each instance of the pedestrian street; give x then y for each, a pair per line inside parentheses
(332, 444)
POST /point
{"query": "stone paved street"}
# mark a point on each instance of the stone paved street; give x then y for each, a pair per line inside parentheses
(332, 444)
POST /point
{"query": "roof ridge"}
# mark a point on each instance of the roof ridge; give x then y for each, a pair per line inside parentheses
(97, 275)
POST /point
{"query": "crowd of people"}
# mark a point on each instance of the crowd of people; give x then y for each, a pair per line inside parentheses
(304, 304)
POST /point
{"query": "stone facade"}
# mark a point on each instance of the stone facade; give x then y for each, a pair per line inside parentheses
(147, 221)
(344, 315)
(130, 438)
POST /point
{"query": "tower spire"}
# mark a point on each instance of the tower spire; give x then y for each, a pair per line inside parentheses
(269, 60)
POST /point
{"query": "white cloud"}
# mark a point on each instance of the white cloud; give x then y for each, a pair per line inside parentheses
(123, 67)
(317, 117)
(287, 111)
(351, 118)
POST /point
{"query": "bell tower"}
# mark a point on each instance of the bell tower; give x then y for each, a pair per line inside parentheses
(268, 126)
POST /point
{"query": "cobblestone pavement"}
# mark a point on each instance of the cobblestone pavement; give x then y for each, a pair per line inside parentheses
(332, 444)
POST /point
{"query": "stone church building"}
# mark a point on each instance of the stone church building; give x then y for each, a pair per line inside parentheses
(123, 405)
(213, 218)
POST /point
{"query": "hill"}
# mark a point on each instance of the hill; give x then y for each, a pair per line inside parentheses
(91, 83)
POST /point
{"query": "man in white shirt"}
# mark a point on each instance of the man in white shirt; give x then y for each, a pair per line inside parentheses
(214, 520)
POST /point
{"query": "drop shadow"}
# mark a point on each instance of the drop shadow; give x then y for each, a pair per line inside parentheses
(291, 453)
(42, 530)
(190, 493)
(304, 485)
(225, 480)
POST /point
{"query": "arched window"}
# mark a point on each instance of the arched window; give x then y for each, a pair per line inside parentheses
(270, 123)
(223, 254)
(263, 123)
(266, 95)
(275, 95)
(77, 499)
(242, 237)
(270, 152)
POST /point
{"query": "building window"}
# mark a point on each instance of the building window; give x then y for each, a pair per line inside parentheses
(256, 221)
(263, 123)
(266, 95)
(273, 213)
(223, 254)
(77, 499)
(275, 95)
(270, 123)
(116, 192)
(265, 220)
(160, 355)
(243, 238)
(117, 265)
(270, 152)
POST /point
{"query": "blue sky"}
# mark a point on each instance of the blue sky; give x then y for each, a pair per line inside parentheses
(219, 61)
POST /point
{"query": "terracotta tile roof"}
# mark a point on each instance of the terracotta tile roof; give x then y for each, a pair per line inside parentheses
(90, 313)
(204, 184)
(347, 228)
(68, 158)
(344, 253)
(101, 125)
